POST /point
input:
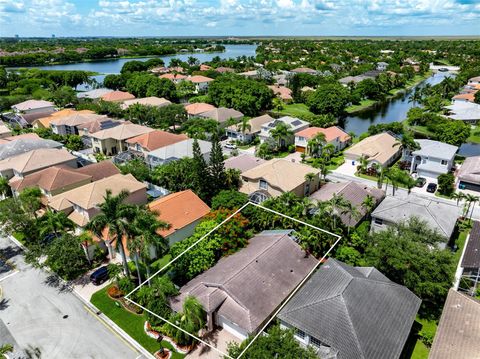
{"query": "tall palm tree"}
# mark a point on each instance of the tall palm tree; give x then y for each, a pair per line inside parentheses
(281, 133)
(244, 126)
(458, 196)
(363, 164)
(407, 144)
(415, 97)
(315, 145)
(351, 211)
(473, 200)
(114, 217)
(335, 206)
(409, 183)
(369, 204)
(54, 222)
(191, 319)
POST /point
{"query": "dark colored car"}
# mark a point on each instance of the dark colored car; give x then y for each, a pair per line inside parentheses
(420, 182)
(432, 187)
(99, 276)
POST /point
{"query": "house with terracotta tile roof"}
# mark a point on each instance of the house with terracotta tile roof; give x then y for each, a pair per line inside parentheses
(44, 122)
(464, 97)
(282, 92)
(333, 135)
(81, 204)
(201, 82)
(117, 96)
(194, 109)
(204, 67)
(68, 124)
(112, 141)
(36, 160)
(153, 140)
(278, 176)
(146, 101)
(381, 149)
(182, 211)
(175, 78)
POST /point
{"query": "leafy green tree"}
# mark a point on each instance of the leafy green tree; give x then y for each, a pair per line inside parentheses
(216, 166)
(279, 343)
(64, 96)
(5, 189)
(142, 85)
(155, 298)
(74, 143)
(229, 199)
(66, 257)
(133, 66)
(114, 218)
(54, 222)
(30, 199)
(446, 183)
(452, 132)
(199, 128)
(477, 97)
(137, 168)
(185, 89)
(201, 175)
(171, 116)
(407, 254)
(192, 318)
(5, 349)
(114, 82)
(330, 98)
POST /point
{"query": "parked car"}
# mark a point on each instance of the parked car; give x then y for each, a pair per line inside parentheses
(231, 146)
(431, 188)
(420, 182)
(99, 276)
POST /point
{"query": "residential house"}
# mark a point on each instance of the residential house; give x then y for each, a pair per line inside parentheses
(113, 140)
(464, 97)
(439, 216)
(58, 179)
(294, 124)
(4, 130)
(81, 204)
(464, 111)
(474, 80)
(32, 136)
(283, 93)
(183, 211)
(94, 94)
(101, 123)
(467, 279)
(468, 175)
(44, 122)
(278, 176)
(35, 160)
(34, 106)
(117, 96)
(382, 66)
(241, 292)
(432, 159)
(201, 82)
(146, 101)
(253, 74)
(304, 70)
(243, 162)
(222, 115)
(177, 151)
(152, 141)
(194, 109)
(333, 135)
(353, 192)
(223, 69)
(347, 312)
(68, 125)
(204, 67)
(458, 332)
(246, 135)
(382, 149)
(175, 78)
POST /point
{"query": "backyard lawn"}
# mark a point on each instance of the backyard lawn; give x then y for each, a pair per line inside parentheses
(364, 104)
(295, 110)
(474, 135)
(421, 351)
(131, 323)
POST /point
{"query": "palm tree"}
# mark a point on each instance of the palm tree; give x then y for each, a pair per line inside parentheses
(473, 200)
(54, 222)
(352, 212)
(316, 144)
(469, 199)
(407, 144)
(244, 126)
(114, 217)
(281, 133)
(191, 319)
(309, 178)
(458, 196)
(369, 204)
(363, 164)
(415, 97)
(114, 271)
(6, 348)
(336, 205)
(410, 183)
(5, 190)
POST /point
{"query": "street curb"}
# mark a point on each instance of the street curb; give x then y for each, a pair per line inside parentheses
(94, 309)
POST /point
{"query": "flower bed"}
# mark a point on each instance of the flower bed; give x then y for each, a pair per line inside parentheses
(155, 335)
(116, 295)
(167, 354)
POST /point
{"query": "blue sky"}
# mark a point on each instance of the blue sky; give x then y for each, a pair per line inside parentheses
(238, 17)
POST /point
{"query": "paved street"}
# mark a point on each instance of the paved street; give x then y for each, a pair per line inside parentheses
(39, 313)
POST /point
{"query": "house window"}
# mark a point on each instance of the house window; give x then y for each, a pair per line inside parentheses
(315, 342)
(378, 221)
(300, 334)
(263, 184)
(444, 162)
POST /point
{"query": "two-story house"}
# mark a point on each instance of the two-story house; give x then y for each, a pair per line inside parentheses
(250, 131)
(177, 151)
(432, 159)
(152, 141)
(68, 125)
(278, 176)
(294, 125)
(333, 135)
(201, 82)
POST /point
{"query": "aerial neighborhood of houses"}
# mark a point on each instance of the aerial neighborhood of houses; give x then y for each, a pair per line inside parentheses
(177, 180)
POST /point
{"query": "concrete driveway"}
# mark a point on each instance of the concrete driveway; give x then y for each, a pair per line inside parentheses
(40, 313)
(219, 339)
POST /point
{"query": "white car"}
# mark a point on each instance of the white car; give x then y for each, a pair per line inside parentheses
(231, 146)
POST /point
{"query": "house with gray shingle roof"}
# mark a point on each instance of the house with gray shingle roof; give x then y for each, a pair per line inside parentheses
(439, 216)
(241, 292)
(469, 174)
(351, 313)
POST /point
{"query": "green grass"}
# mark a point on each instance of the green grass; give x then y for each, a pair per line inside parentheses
(19, 237)
(460, 242)
(421, 351)
(131, 323)
(336, 162)
(474, 135)
(364, 104)
(295, 110)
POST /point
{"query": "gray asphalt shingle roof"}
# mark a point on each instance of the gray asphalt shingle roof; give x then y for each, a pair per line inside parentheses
(356, 311)
(471, 258)
(20, 146)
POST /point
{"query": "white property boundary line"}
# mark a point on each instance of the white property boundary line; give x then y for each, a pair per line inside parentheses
(206, 235)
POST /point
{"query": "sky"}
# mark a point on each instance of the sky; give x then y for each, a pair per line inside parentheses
(239, 17)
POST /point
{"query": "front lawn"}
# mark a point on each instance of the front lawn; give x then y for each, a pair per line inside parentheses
(131, 323)
(336, 162)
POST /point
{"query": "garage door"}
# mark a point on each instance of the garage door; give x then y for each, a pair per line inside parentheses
(427, 174)
(231, 327)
